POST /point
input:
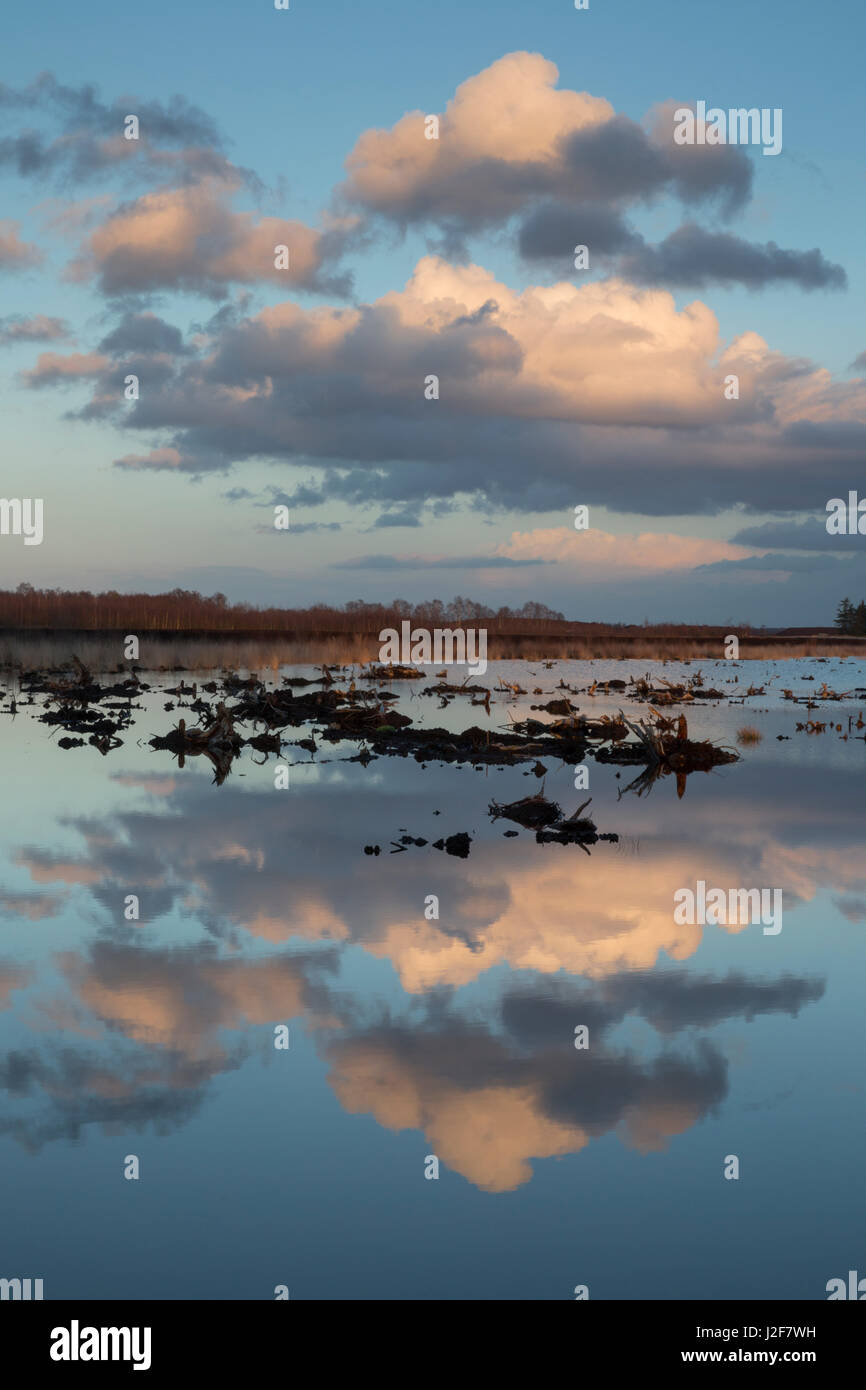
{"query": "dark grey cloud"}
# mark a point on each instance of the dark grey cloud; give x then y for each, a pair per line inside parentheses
(853, 909)
(420, 562)
(802, 564)
(85, 138)
(694, 257)
(669, 1001)
(620, 161)
(405, 517)
(810, 534)
(487, 308)
(691, 257)
(553, 230)
(301, 528)
(144, 333)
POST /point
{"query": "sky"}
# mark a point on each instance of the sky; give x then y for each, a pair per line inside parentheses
(431, 385)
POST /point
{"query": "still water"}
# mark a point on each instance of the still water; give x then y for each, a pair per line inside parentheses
(412, 1037)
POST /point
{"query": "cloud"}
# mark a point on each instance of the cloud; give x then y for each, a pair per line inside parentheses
(694, 258)
(11, 978)
(54, 368)
(553, 231)
(16, 254)
(487, 1112)
(15, 328)
(691, 257)
(509, 136)
(443, 562)
(601, 393)
(300, 528)
(405, 517)
(511, 144)
(810, 534)
(35, 907)
(166, 460)
(143, 333)
(191, 239)
(599, 553)
(177, 140)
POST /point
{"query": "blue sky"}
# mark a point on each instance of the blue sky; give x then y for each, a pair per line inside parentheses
(290, 93)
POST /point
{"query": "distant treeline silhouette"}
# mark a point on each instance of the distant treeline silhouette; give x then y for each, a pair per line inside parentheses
(851, 618)
(185, 611)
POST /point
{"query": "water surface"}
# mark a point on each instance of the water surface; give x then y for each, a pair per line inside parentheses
(412, 1037)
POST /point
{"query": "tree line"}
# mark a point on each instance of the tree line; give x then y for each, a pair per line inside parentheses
(851, 618)
(186, 611)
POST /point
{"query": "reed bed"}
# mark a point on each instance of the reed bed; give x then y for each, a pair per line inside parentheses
(103, 652)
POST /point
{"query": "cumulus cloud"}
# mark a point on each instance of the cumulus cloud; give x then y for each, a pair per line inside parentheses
(604, 391)
(190, 238)
(642, 380)
(508, 135)
(510, 143)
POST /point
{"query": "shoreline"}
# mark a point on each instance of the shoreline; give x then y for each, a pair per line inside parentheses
(42, 648)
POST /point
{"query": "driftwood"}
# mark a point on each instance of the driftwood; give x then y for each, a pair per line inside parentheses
(666, 748)
(218, 742)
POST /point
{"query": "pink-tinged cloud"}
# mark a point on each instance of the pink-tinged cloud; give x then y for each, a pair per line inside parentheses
(509, 137)
(35, 907)
(16, 254)
(11, 978)
(596, 390)
(156, 460)
(508, 117)
(39, 328)
(48, 868)
(190, 238)
(54, 368)
(594, 553)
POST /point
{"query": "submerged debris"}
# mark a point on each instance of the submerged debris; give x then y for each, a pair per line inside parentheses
(455, 844)
(219, 742)
(547, 820)
(530, 812)
(666, 748)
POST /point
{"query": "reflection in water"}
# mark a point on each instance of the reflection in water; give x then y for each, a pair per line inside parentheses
(258, 907)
